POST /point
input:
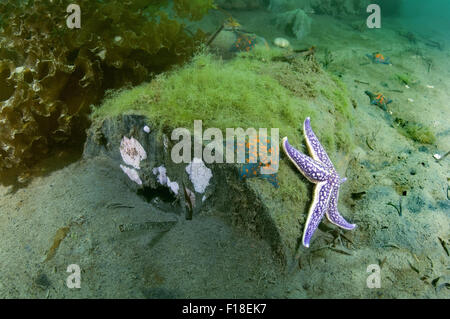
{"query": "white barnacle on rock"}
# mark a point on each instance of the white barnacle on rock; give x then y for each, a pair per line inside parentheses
(164, 180)
(132, 174)
(199, 175)
(160, 172)
(132, 152)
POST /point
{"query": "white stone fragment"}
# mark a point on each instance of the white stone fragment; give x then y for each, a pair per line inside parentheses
(281, 42)
(146, 129)
(199, 175)
(132, 174)
(132, 152)
(437, 156)
(164, 180)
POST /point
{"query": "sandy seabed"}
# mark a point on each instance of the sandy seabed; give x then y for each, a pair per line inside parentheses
(73, 215)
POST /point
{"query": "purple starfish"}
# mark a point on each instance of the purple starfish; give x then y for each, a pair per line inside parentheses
(318, 170)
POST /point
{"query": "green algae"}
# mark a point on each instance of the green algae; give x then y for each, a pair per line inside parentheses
(404, 78)
(222, 95)
(238, 93)
(419, 133)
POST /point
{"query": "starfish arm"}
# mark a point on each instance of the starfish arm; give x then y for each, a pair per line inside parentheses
(316, 211)
(332, 211)
(315, 148)
(313, 170)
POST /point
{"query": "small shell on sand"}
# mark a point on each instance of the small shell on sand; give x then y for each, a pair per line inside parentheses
(281, 42)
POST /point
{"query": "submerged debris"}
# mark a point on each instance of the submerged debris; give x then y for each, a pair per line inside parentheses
(151, 225)
(439, 157)
(57, 239)
(411, 37)
(399, 208)
(164, 180)
(444, 245)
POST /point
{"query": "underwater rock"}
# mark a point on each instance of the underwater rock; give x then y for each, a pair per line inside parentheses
(294, 23)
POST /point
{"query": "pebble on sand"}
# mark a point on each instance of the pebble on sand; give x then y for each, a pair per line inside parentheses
(281, 42)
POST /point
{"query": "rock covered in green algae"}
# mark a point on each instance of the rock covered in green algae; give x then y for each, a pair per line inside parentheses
(241, 93)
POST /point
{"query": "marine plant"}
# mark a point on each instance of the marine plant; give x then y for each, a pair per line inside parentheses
(50, 74)
(405, 78)
(245, 92)
(416, 131)
(419, 133)
(328, 58)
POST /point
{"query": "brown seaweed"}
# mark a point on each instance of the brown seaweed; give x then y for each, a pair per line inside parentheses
(50, 75)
